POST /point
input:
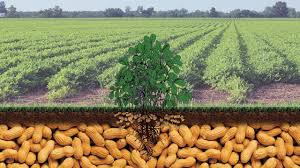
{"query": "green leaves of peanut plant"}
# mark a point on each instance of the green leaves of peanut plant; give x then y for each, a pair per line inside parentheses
(149, 77)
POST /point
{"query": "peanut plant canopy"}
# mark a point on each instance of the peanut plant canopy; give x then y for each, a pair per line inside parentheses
(149, 77)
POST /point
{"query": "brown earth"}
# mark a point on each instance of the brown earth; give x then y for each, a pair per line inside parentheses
(193, 117)
(269, 94)
(276, 93)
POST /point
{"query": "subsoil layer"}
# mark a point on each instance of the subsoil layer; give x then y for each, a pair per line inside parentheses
(101, 145)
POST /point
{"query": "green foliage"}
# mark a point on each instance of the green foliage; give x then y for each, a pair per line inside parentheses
(55, 12)
(2, 7)
(225, 67)
(66, 63)
(268, 56)
(12, 12)
(149, 77)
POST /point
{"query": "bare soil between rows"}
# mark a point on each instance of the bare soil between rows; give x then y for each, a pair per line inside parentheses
(268, 94)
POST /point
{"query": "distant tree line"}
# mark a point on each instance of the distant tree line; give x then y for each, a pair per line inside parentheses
(278, 10)
(8, 12)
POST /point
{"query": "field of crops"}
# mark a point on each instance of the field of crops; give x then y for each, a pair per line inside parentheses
(69, 55)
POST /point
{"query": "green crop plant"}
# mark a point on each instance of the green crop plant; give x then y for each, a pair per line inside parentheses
(149, 77)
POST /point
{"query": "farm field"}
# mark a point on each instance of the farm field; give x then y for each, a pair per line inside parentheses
(61, 58)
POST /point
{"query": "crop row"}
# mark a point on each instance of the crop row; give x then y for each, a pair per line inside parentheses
(194, 56)
(81, 75)
(37, 45)
(52, 48)
(39, 70)
(35, 73)
(287, 47)
(19, 37)
(49, 45)
(268, 64)
(74, 46)
(184, 41)
(224, 66)
(246, 58)
(107, 77)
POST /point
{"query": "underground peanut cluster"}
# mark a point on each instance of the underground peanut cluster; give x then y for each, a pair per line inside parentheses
(94, 145)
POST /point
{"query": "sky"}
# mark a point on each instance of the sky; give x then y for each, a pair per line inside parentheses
(191, 5)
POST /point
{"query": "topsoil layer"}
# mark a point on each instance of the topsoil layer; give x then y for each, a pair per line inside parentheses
(190, 117)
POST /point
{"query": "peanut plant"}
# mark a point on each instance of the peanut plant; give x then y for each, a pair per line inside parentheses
(149, 78)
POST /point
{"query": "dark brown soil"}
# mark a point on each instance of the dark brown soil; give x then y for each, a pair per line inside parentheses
(88, 97)
(269, 94)
(276, 93)
(209, 95)
(190, 117)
